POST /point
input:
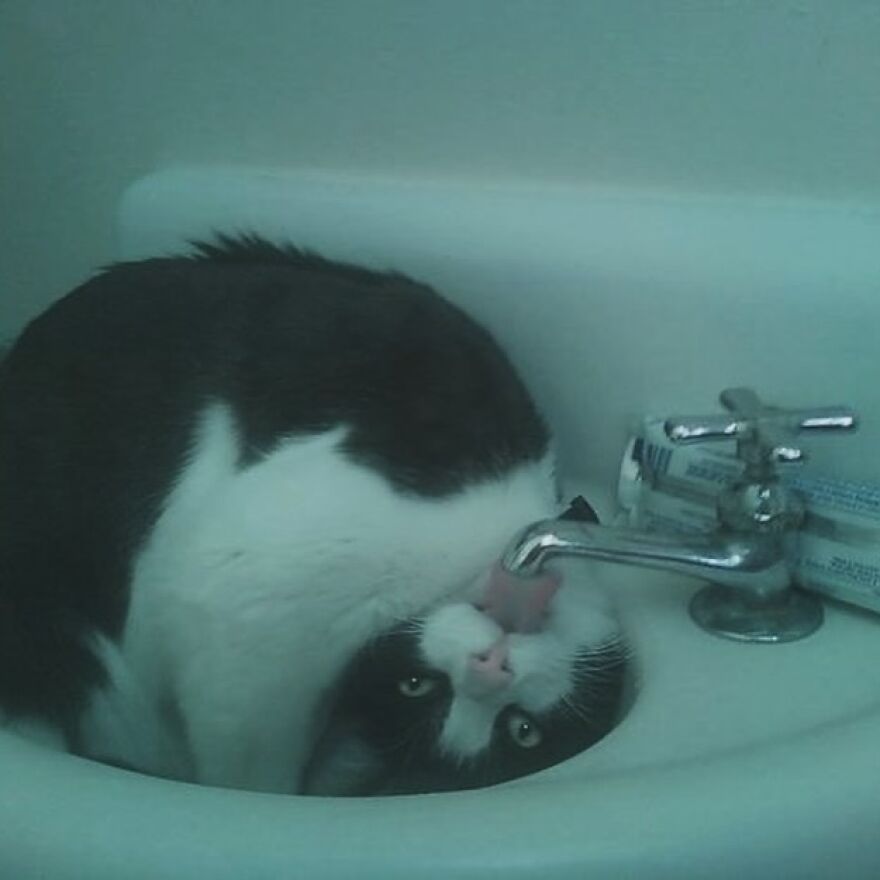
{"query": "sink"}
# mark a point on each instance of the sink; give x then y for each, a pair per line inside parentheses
(735, 760)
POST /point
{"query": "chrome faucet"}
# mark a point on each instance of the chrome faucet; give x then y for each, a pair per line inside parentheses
(749, 559)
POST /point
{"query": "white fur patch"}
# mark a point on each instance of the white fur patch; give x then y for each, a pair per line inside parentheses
(122, 724)
(258, 584)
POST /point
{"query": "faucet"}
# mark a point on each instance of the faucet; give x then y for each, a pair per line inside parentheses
(749, 559)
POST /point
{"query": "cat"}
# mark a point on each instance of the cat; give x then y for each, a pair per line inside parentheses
(222, 475)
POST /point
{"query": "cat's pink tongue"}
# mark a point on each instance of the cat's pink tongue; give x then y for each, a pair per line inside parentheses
(518, 604)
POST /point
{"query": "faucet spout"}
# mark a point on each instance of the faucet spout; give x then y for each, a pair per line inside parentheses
(753, 563)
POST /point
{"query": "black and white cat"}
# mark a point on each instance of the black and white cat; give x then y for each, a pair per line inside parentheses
(222, 476)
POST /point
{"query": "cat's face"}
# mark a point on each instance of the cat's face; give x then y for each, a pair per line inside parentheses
(453, 701)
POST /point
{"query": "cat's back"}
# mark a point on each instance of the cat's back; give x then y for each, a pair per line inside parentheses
(293, 342)
(204, 316)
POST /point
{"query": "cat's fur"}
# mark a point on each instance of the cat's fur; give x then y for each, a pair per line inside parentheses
(221, 476)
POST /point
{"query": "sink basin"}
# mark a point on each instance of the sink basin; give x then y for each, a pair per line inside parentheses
(735, 760)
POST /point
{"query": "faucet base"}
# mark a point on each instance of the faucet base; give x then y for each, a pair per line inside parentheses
(732, 614)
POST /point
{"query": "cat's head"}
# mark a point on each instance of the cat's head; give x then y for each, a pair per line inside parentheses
(454, 701)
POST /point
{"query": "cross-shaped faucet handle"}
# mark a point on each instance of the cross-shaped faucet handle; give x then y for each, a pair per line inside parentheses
(763, 433)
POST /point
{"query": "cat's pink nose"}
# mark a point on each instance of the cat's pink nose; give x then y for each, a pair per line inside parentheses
(488, 671)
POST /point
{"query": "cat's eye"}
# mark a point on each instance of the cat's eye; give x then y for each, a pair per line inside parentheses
(417, 685)
(523, 730)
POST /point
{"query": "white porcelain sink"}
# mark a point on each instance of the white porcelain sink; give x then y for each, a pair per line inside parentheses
(736, 760)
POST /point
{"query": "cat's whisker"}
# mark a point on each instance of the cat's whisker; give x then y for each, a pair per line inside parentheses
(606, 657)
(405, 624)
(576, 709)
(587, 690)
(603, 674)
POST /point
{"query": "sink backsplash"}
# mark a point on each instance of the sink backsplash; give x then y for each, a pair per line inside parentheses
(613, 304)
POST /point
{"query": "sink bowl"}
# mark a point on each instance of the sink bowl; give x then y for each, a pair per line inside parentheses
(735, 760)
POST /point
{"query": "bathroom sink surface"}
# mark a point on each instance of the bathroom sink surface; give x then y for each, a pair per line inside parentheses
(735, 760)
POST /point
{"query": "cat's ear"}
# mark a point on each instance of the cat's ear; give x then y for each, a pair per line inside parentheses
(579, 509)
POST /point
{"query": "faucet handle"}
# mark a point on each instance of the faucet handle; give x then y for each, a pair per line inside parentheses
(762, 432)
